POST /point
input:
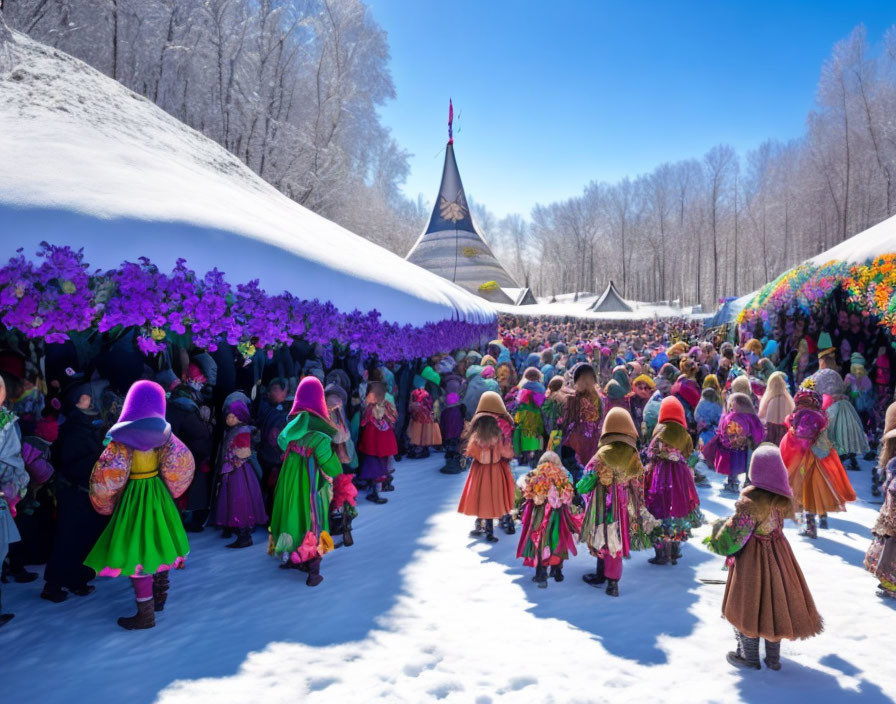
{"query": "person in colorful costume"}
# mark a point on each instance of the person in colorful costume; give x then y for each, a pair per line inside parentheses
(378, 444)
(240, 505)
(844, 424)
(618, 389)
(819, 482)
(775, 406)
(580, 420)
(142, 468)
(707, 415)
(548, 524)
(489, 490)
(13, 480)
(643, 388)
(669, 490)
(739, 432)
(861, 394)
(880, 559)
(766, 595)
(528, 433)
(612, 490)
(300, 516)
(423, 431)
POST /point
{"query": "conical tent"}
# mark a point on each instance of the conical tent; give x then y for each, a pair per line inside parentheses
(452, 247)
(611, 302)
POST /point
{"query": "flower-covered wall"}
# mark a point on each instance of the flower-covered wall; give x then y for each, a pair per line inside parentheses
(57, 294)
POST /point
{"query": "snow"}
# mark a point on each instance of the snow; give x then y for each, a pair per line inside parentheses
(90, 164)
(416, 612)
(566, 306)
(877, 240)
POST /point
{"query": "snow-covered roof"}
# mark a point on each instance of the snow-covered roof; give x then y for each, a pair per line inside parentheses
(876, 240)
(567, 307)
(88, 163)
(611, 301)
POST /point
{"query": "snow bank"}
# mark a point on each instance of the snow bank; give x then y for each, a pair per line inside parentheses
(877, 240)
(88, 163)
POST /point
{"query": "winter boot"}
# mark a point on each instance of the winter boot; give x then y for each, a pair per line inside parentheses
(314, 577)
(747, 654)
(823, 522)
(490, 531)
(661, 556)
(732, 486)
(144, 618)
(810, 530)
(347, 539)
(885, 593)
(160, 590)
(243, 539)
(675, 555)
(478, 529)
(773, 655)
(557, 572)
(853, 463)
(227, 532)
(598, 578)
(83, 590)
(54, 593)
(507, 524)
(375, 497)
(387, 485)
(612, 587)
(4, 618)
(541, 577)
(20, 576)
(870, 455)
(700, 478)
(452, 464)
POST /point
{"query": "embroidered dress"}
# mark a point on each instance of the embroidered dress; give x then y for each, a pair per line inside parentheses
(669, 490)
(580, 422)
(548, 524)
(145, 534)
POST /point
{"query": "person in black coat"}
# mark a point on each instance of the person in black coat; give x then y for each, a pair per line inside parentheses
(76, 450)
(183, 414)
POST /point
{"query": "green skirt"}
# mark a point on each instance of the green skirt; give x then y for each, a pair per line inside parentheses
(297, 510)
(145, 534)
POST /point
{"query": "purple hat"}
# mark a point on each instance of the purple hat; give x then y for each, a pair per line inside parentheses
(142, 423)
(767, 470)
(310, 397)
(240, 410)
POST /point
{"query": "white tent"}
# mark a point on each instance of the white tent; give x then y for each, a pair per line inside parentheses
(876, 240)
(87, 163)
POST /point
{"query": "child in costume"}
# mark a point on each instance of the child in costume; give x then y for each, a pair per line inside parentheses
(819, 482)
(13, 480)
(880, 559)
(240, 505)
(489, 490)
(844, 424)
(774, 407)
(378, 444)
(739, 432)
(554, 400)
(580, 420)
(548, 524)
(766, 595)
(336, 399)
(618, 389)
(643, 388)
(611, 487)
(142, 468)
(707, 414)
(528, 433)
(861, 394)
(300, 517)
(669, 490)
(451, 423)
(423, 430)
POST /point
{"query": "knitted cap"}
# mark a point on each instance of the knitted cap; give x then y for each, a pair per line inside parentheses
(239, 409)
(857, 359)
(619, 426)
(310, 397)
(672, 410)
(767, 470)
(643, 379)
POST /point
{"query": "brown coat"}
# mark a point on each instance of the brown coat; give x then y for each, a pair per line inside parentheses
(489, 490)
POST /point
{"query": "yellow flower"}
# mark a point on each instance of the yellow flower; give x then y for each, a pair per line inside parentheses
(68, 286)
(158, 334)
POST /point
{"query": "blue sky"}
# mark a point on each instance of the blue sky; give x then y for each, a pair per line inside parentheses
(557, 93)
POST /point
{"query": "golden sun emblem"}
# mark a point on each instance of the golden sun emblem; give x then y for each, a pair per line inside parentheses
(453, 210)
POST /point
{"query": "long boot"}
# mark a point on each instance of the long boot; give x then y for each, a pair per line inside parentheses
(145, 616)
(387, 484)
(4, 618)
(612, 587)
(732, 486)
(675, 552)
(747, 654)
(159, 590)
(852, 463)
(661, 556)
(541, 577)
(374, 496)
(347, 539)
(773, 655)
(557, 572)
(490, 531)
(507, 524)
(243, 539)
(823, 522)
(314, 577)
(598, 578)
(478, 529)
(810, 530)
(227, 532)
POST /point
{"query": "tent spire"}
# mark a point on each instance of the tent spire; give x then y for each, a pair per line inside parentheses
(450, 122)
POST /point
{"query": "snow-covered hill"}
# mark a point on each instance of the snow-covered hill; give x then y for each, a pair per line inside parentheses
(88, 163)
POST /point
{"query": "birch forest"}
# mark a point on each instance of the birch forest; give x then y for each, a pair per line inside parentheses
(292, 88)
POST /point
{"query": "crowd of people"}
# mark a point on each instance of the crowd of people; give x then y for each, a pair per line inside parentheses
(574, 433)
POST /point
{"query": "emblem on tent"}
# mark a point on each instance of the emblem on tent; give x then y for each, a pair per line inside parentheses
(453, 210)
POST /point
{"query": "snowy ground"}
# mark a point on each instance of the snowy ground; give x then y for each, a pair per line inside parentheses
(416, 611)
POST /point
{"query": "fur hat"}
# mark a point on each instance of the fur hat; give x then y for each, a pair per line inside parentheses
(619, 427)
(310, 397)
(672, 410)
(809, 398)
(491, 402)
(767, 470)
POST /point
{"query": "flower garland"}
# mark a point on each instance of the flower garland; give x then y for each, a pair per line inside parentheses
(59, 296)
